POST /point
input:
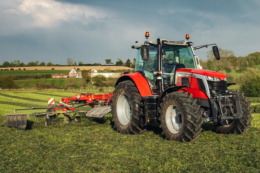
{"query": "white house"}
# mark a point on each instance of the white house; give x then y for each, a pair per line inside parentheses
(94, 70)
(73, 73)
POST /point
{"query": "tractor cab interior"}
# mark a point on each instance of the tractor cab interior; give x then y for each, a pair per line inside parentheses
(172, 58)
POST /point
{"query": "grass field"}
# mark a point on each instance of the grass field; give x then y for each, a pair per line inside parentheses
(94, 146)
(30, 72)
(32, 83)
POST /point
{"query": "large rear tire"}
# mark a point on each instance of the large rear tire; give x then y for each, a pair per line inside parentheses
(239, 126)
(181, 118)
(125, 108)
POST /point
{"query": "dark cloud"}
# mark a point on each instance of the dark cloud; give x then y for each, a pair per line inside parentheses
(113, 26)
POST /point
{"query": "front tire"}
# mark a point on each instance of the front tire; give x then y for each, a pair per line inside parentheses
(125, 108)
(181, 118)
(241, 125)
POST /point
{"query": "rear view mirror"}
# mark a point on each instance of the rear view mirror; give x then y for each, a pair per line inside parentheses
(216, 52)
(145, 52)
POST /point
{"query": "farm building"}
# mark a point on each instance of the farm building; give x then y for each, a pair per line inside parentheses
(74, 74)
(63, 75)
(113, 75)
(94, 70)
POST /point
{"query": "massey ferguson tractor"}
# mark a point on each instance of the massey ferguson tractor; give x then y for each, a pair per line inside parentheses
(167, 89)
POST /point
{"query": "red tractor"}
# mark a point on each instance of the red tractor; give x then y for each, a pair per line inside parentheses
(167, 89)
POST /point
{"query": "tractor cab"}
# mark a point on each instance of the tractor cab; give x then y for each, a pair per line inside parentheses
(159, 60)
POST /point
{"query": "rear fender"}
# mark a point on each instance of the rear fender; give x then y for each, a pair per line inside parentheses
(140, 82)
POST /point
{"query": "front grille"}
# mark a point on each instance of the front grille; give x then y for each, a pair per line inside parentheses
(218, 86)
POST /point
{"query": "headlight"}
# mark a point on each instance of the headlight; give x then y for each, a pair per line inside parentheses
(225, 79)
(212, 78)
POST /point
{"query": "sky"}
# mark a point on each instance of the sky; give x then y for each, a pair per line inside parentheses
(92, 31)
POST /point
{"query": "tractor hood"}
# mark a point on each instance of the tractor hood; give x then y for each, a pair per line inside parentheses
(217, 74)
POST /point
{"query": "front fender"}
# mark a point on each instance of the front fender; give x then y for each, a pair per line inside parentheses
(140, 82)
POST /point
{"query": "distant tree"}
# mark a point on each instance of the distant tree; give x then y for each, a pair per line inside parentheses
(243, 63)
(86, 74)
(69, 61)
(17, 63)
(119, 62)
(210, 65)
(42, 64)
(97, 64)
(31, 64)
(251, 64)
(36, 63)
(233, 60)
(203, 64)
(222, 53)
(12, 64)
(133, 64)
(6, 64)
(7, 82)
(75, 63)
(128, 63)
(99, 80)
(108, 61)
(22, 64)
(49, 64)
(71, 83)
(80, 62)
(256, 56)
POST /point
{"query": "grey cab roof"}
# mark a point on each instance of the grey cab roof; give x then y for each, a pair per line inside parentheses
(163, 41)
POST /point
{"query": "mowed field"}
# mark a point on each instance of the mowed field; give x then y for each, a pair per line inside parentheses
(70, 67)
(94, 145)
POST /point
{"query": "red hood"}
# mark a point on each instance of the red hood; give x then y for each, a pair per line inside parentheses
(203, 72)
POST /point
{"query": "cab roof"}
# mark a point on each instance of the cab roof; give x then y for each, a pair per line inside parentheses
(163, 41)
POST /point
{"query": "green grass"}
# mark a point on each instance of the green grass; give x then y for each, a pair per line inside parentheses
(30, 72)
(257, 66)
(94, 146)
(32, 83)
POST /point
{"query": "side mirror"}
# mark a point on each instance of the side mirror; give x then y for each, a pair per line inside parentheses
(216, 52)
(145, 52)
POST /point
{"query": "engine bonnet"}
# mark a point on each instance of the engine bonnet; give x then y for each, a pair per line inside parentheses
(217, 74)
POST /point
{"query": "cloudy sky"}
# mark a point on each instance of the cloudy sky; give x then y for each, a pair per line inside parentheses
(92, 31)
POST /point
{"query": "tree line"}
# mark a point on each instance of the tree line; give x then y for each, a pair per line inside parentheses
(18, 63)
(69, 62)
(229, 62)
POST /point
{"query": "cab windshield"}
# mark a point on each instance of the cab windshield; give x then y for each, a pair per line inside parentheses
(171, 55)
(178, 54)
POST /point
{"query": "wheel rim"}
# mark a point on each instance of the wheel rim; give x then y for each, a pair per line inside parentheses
(124, 109)
(173, 119)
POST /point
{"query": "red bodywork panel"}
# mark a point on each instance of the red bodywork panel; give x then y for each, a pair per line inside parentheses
(194, 88)
(217, 74)
(141, 83)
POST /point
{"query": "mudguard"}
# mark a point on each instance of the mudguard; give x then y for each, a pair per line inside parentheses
(140, 82)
